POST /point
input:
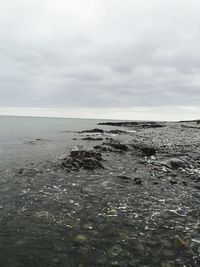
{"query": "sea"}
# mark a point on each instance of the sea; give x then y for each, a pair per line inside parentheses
(26, 140)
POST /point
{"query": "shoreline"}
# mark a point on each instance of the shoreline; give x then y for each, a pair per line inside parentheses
(125, 196)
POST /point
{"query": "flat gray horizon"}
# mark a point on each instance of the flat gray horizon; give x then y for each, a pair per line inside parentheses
(97, 58)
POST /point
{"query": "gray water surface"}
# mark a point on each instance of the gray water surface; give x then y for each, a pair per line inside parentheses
(18, 144)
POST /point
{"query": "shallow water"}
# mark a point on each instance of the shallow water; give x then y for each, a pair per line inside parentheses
(17, 133)
(94, 218)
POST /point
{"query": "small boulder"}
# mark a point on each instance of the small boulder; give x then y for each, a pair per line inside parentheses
(85, 159)
(176, 163)
(145, 150)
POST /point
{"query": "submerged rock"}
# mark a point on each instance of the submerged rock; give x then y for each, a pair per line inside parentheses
(116, 132)
(80, 239)
(86, 159)
(93, 131)
(103, 148)
(168, 264)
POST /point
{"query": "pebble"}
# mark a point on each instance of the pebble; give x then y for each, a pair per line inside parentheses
(80, 239)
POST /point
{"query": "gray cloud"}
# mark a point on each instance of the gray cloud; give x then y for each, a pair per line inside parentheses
(99, 53)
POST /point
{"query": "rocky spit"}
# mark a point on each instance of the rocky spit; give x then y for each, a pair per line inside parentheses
(128, 194)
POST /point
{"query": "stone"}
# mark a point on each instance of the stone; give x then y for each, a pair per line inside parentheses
(85, 159)
(93, 131)
(119, 147)
(81, 239)
(137, 181)
(168, 264)
(89, 138)
(145, 150)
(123, 177)
(176, 163)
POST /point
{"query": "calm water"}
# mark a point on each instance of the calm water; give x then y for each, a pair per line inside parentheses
(18, 136)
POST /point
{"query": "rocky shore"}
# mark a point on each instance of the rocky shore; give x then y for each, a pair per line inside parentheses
(127, 194)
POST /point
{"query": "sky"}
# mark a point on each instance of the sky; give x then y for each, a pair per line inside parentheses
(126, 59)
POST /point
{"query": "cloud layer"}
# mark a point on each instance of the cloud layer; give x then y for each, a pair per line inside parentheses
(99, 53)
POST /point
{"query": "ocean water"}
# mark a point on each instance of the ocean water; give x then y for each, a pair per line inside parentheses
(19, 144)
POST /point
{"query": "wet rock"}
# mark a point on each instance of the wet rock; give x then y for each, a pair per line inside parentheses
(114, 263)
(43, 215)
(119, 147)
(86, 159)
(37, 140)
(103, 148)
(180, 243)
(112, 212)
(116, 132)
(28, 171)
(144, 124)
(148, 151)
(93, 131)
(196, 187)
(115, 251)
(145, 150)
(123, 177)
(80, 239)
(176, 163)
(137, 181)
(173, 182)
(89, 138)
(168, 264)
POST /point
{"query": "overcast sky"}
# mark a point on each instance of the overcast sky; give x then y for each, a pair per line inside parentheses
(117, 55)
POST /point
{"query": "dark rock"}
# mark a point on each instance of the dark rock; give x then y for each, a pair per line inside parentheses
(20, 171)
(132, 123)
(123, 177)
(145, 150)
(172, 182)
(138, 181)
(86, 159)
(93, 131)
(144, 124)
(176, 163)
(103, 148)
(148, 151)
(190, 127)
(89, 138)
(197, 187)
(116, 132)
(28, 171)
(119, 147)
